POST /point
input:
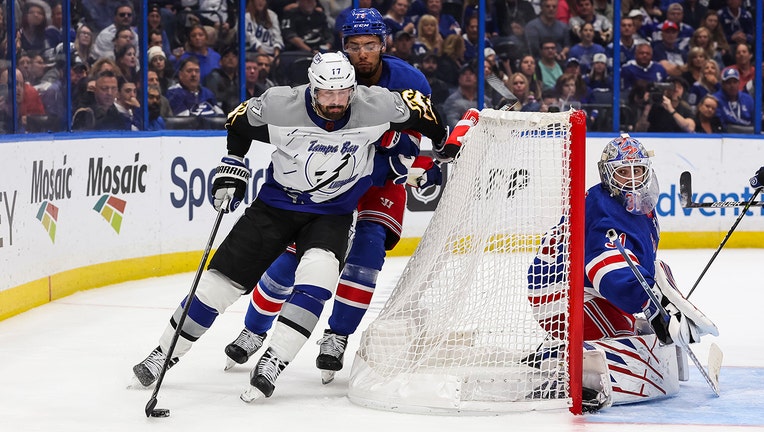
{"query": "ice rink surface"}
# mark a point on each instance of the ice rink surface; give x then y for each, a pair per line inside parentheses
(65, 366)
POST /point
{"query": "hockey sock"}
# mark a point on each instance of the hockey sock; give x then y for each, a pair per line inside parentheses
(273, 288)
(359, 278)
(315, 279)
(213, 296)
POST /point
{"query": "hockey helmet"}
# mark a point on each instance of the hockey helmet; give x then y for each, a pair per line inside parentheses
(330, 71)
(626, 172)
(364, 21)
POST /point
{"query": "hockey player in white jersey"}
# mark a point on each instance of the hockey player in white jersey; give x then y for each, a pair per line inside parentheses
(325, 134)
(380, 211)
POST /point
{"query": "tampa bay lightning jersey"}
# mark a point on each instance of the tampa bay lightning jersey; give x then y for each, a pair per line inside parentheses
(607, 273)
(322, 166)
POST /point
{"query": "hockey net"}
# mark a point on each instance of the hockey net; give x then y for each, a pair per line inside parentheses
(458, 334)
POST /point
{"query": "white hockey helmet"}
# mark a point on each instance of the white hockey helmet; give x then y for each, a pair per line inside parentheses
(331, 71)
(636, 188)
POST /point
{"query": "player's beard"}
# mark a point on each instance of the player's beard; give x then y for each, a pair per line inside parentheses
(331, 112)
(365, 71)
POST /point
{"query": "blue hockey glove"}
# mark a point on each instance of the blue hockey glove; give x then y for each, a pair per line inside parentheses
(757, 180)
(399, 168)
(230, 183)
(424, 172)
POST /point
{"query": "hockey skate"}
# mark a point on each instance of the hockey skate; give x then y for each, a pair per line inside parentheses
(148, 370)
(240, 350)
(330, 354)
(263, 377)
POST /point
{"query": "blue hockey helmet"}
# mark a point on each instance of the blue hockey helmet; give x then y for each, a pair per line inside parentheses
(364, 21)
(626, 172)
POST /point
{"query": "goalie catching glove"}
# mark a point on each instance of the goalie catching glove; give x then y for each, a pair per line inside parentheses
(230, 183)
(686, 324)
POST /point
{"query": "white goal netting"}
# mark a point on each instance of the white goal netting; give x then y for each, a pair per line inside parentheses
(458, 333)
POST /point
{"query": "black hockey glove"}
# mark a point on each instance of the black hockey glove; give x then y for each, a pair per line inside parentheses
(230, 183)
(757, 180)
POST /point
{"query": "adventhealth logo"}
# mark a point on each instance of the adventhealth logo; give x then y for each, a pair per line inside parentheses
(48, 215)
(112, 209)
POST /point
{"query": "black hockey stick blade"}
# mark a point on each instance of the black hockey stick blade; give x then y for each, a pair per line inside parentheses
(150, 405)
(685, 189)
(685, 197)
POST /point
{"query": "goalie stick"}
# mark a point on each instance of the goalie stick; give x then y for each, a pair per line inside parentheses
(150, 409)
(685, 192)
(685, 197)
(713, 382)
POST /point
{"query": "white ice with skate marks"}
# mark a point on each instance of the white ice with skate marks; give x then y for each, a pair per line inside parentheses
(66, 365)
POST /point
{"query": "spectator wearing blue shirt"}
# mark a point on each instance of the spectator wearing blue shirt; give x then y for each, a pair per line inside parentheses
(585, 50)
(629, 39)
(737, 23)
(198, 47)
(735, 107)
(669, 51)
(675, 14)
(396, 19)
(447, 25)
(642, 68)
(470, 37)
(188, 97)
(598, 80)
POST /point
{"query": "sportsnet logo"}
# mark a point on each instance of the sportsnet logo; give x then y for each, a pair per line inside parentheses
(112, 209)
(48, 215)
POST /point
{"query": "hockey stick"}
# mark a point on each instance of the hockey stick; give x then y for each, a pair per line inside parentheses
(724, 241)
(685, 192)
(150, 409)
(612, 235)
(685, 197)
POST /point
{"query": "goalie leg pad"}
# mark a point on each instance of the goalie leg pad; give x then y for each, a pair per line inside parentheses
(687, 323)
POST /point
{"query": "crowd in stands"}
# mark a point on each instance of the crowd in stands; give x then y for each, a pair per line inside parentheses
(686, 66)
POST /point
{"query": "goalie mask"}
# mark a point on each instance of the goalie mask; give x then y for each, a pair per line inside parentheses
(626, 172)
(332, 84)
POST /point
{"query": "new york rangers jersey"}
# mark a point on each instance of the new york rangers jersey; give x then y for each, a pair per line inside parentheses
(397, 74)
(607, 273)
(322, 166)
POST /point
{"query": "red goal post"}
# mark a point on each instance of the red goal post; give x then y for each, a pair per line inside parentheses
(458, 333)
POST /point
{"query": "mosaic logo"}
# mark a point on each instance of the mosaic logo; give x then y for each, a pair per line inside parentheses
(112, 209)
(48, 215)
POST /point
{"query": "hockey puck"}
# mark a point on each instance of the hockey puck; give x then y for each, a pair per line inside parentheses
(160, 412)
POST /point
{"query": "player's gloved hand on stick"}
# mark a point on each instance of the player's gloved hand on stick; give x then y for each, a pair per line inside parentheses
(230, 183)
(448, 149)
(424, 172)
(686, 323)
(399, 168)
(757, 180)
